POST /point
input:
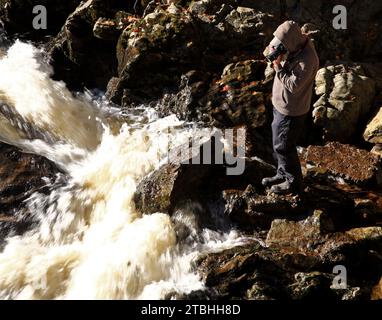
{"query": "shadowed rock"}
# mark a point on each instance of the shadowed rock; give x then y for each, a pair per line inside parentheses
(298, 263)
(21, 175)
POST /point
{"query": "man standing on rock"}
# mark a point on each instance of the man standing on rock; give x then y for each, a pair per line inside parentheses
(295, 70)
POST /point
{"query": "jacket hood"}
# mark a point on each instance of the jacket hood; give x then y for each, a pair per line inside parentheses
(289, 33)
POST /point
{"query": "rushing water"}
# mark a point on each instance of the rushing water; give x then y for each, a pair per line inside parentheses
(90, 242)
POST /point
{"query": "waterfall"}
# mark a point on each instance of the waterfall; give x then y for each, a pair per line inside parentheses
(90, 242)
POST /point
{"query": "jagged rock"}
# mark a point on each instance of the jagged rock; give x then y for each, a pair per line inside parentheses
(209, 7)
(105, 29)
(188, 102)
(252, 271)
(21, 175)
(315, 235)
(161, 41)
(245, 24)
(300, 234)
(312, 285)
(346, 96)
(348, 162)
(84, 53)
(373, 132)
(246, 271)
(176, 42)
(182, 181)
(241, 30)
(241, 95)
(252, 210)
(168, 186)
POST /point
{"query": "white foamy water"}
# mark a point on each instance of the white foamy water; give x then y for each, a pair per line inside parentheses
(91, 243)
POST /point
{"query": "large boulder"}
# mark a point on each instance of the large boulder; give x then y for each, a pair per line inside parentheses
(153, 52)
(177, 182)
(346, 95)
(345, 161)
(178, 42)
(241, 95)
(84, 53)
(171, 184)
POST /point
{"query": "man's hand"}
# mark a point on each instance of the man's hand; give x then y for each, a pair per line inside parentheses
(277, 62)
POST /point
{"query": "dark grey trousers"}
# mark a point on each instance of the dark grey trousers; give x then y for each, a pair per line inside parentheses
(285, 132)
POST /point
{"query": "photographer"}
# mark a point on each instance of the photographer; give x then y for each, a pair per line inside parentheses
(296, 63)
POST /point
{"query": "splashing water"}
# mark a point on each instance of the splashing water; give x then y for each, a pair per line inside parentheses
(91, 243)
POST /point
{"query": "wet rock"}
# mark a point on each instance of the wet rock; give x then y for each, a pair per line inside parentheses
(359, 250)
(373, 132)
(315, 236)
(252, 210)
(300, 234)
(169, 185)
(368, 209)
(298, 266)
(21, 175)
(346, 96)
(245, 271)
(188, 102)
(348, 162)
(183, 180)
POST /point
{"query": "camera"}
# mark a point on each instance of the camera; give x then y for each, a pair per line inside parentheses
(279, 50)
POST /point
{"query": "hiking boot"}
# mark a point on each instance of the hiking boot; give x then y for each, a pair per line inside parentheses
(285, 188)
(270, 181)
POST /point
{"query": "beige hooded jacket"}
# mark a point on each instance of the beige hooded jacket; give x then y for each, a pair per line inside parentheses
(293, 83)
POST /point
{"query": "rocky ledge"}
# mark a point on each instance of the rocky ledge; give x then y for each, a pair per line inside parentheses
(293, 243)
